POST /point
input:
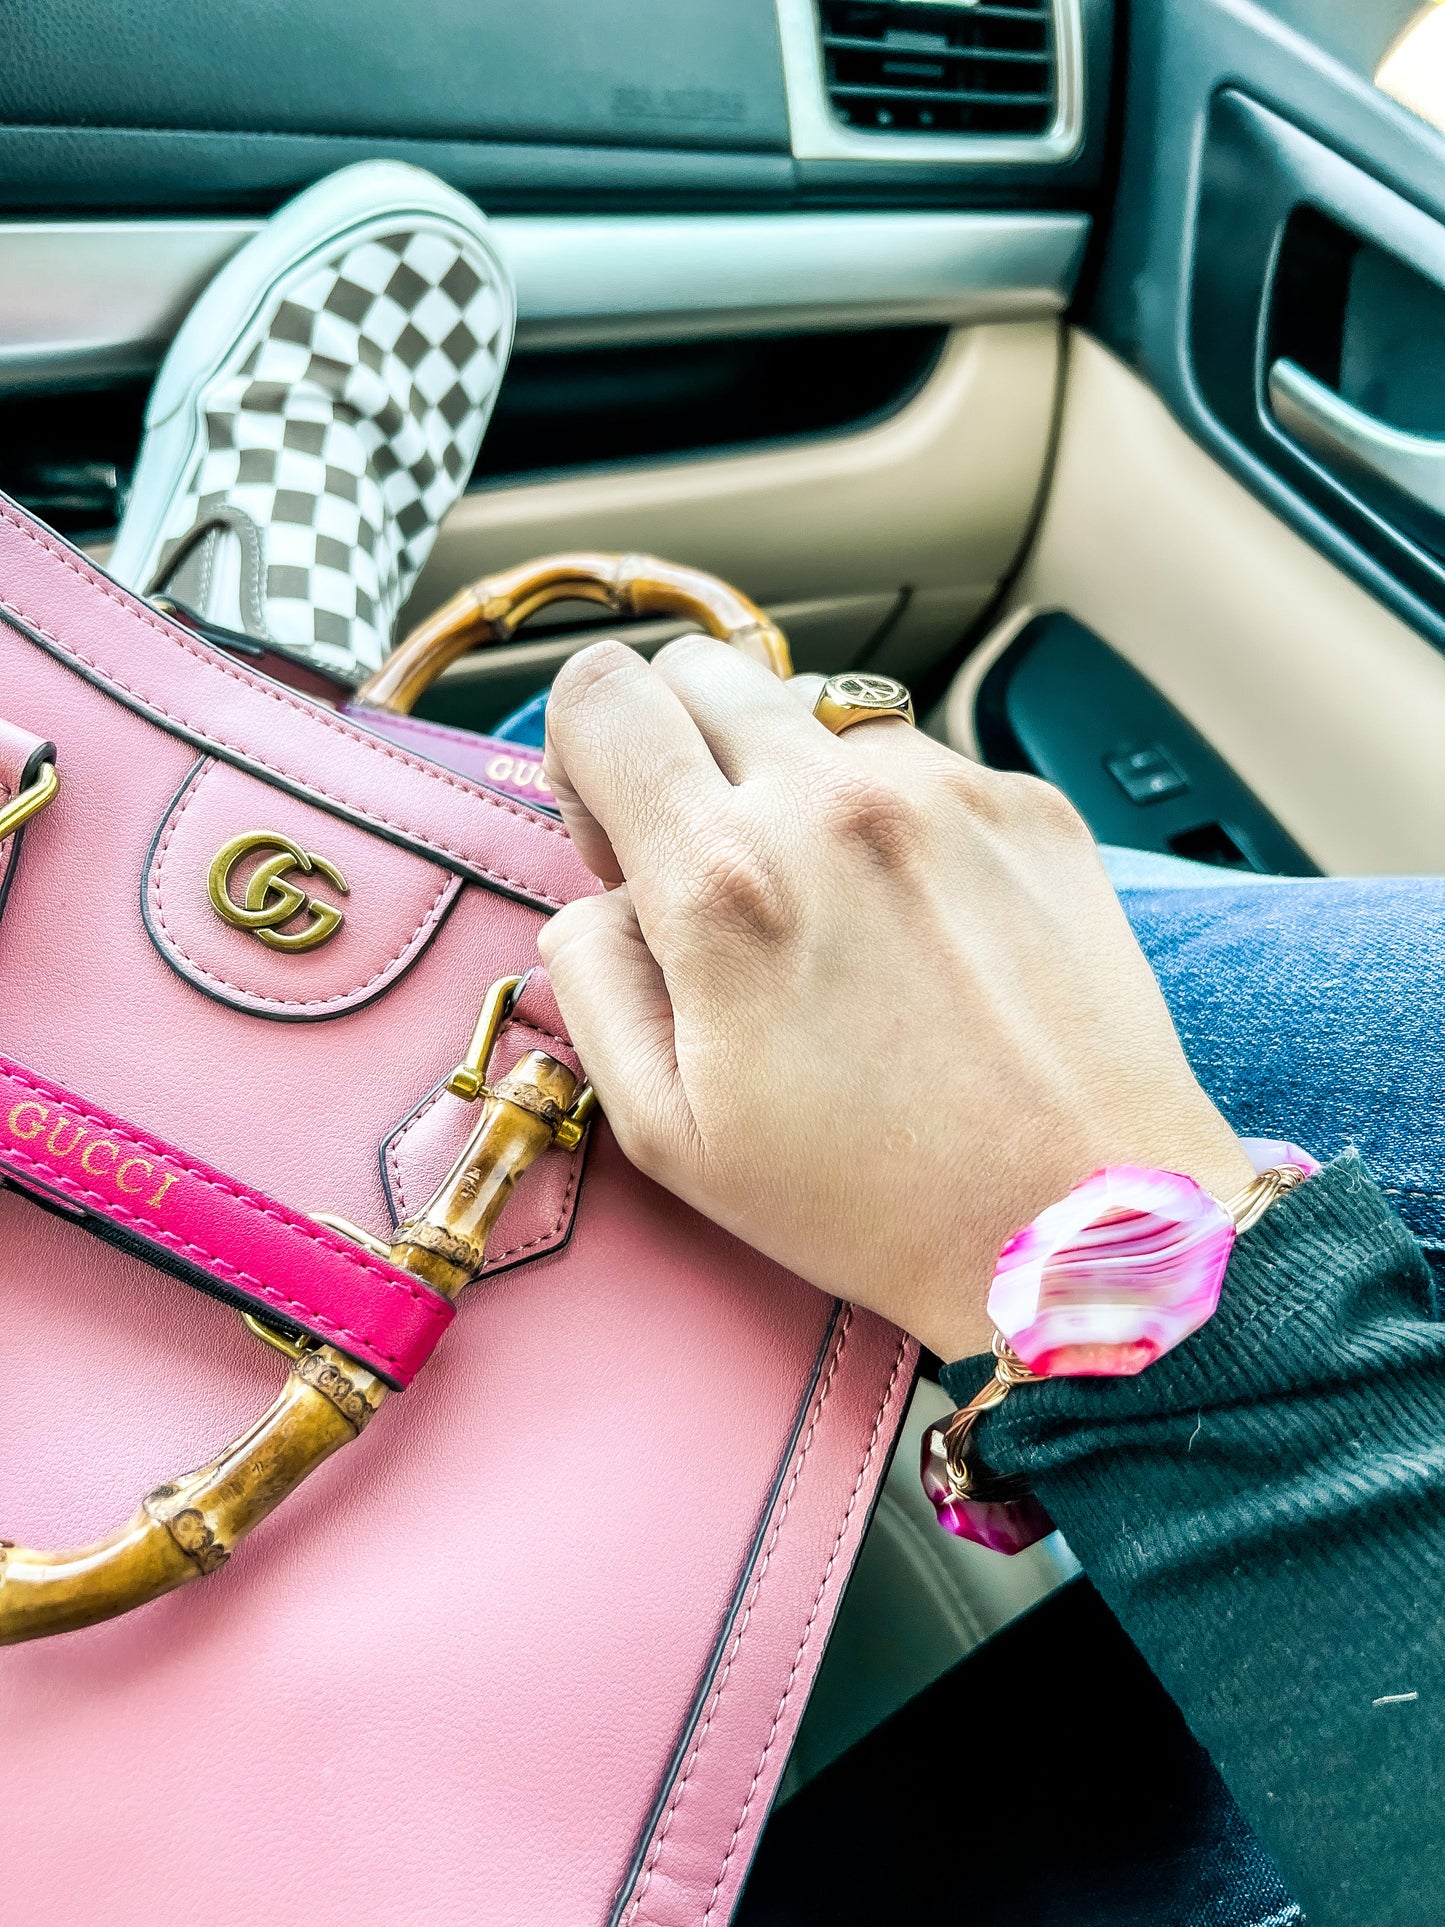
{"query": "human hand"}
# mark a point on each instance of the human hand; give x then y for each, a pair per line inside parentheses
(864, 1003)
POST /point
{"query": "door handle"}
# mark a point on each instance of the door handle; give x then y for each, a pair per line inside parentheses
(1357, 447)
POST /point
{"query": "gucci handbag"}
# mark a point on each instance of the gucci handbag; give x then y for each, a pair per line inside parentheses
(502, 1603)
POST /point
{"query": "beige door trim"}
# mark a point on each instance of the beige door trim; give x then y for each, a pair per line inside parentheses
(938, 496)
(1329, 707)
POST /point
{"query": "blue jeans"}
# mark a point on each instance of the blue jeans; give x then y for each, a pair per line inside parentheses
(1309, 1010)
(1313, 1010)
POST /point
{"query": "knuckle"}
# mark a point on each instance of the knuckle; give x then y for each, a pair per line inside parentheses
(589, 671)
(737, 887)
(568, 927)
(639, 1139)
(683, 650)
(1046, 810)
(641, 1120)
(1011, 804)
(966, 784)
(864, 810)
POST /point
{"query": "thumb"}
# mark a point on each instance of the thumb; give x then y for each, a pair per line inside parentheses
(614, 1002)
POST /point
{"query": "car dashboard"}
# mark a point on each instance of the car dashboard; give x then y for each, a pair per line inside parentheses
(656, 173)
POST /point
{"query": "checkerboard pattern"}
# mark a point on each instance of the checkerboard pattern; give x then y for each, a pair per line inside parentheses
(346, 431)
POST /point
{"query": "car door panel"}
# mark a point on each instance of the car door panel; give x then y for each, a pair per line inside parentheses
(930, 505)
(1329, 706)
(1224, 508)
(1238, 114)
(657, 176)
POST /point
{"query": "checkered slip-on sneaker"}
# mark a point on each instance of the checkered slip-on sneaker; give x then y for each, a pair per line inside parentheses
(318, 413)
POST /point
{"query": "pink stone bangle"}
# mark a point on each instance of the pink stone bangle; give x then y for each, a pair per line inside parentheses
(1099, 1285)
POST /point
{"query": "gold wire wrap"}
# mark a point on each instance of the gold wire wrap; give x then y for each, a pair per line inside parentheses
(1248, 1206)
(966, 1474)
(493, 609)
(190, 1526)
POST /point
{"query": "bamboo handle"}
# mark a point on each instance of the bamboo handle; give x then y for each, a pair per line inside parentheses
(493, 609)
(188, 1528)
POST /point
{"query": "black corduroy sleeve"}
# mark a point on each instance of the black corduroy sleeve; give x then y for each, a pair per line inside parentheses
(1264, 1510)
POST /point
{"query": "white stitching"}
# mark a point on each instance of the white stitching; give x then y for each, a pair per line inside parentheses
(808, 1629)
(839, 1347)
(216, 665)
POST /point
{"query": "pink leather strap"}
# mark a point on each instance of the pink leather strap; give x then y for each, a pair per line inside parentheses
(512, 769)
(212, 1230)
(19, 750)
(20, 754)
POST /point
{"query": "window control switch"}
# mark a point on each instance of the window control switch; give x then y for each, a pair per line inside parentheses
(1060, 703)
(1146, 775)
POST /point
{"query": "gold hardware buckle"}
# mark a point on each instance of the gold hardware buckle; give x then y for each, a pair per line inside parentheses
(469, 1080)
(30, 801)
(279, 1341)
(271, 899)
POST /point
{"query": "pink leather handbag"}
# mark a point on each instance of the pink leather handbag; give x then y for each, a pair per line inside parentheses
(532, 1649)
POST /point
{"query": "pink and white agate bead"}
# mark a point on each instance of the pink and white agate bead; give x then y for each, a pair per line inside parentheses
(1099, 1285)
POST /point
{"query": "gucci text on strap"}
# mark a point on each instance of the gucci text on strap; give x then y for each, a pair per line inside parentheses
(190, 1526)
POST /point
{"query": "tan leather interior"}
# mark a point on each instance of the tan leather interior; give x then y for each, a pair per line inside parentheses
(885, 543)
(886, 540)
(1330, 708)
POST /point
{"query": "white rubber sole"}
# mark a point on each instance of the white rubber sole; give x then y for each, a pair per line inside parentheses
(228, 319)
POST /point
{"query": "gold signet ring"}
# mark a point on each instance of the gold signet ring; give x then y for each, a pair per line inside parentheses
(844, 701)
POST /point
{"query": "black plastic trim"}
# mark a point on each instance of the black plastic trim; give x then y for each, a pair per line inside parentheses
(640, 73)
(113, 170)
(1061, 704)
(1182, 53)
(559, 106)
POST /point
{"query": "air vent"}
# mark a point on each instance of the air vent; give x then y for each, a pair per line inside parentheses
(940, 67)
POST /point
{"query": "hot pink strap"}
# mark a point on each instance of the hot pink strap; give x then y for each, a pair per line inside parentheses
(212, 1230)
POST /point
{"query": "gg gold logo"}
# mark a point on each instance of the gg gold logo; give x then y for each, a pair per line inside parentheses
(270, 899)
